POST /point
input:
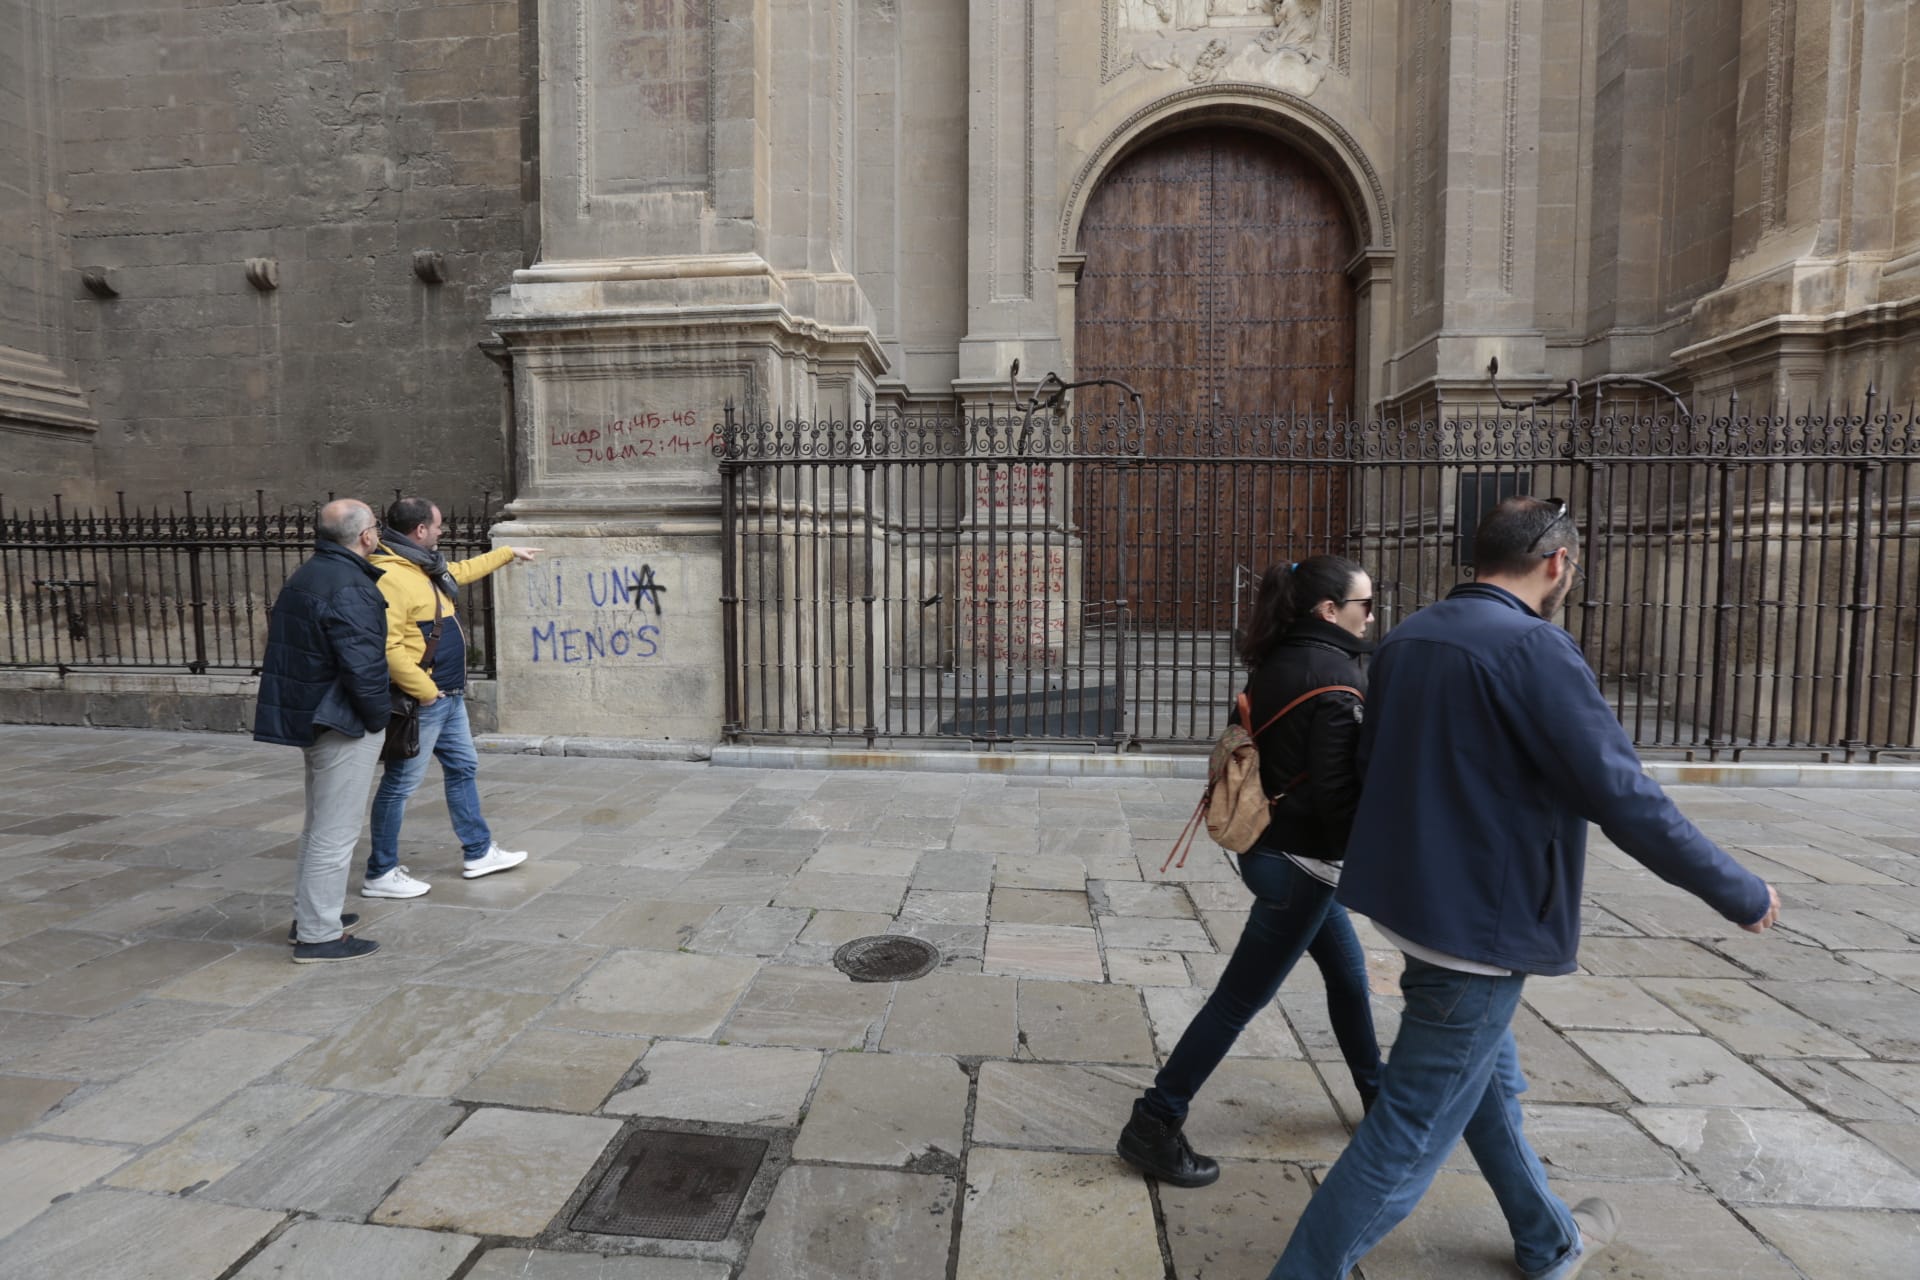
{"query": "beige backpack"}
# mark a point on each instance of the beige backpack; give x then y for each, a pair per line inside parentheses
(1234, 807)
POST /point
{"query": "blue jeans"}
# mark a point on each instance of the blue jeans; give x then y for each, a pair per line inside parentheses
(444, 736)
(1292, 913)
(1454, 1072)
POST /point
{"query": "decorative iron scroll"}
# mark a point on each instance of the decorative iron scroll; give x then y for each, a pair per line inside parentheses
(1620, 431)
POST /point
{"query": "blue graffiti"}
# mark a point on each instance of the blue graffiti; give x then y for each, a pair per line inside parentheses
(609, 587)
(594, 643)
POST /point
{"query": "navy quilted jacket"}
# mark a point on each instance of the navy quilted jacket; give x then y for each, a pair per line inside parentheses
(326, 662)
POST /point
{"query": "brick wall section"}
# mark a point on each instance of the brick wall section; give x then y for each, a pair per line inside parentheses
(336, 137)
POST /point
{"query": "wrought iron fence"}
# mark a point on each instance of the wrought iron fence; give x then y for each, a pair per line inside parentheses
(177, 589)
(1750, 577)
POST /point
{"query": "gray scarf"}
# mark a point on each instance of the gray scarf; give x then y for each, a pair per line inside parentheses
(432, 563)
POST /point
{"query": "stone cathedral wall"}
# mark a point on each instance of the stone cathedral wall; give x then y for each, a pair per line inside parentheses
(332, 141)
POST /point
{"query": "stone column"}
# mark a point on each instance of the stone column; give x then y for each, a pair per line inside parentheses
(1467, 210)
(694, 254)
(1012, 196)
(46, 424)
(1820, 236)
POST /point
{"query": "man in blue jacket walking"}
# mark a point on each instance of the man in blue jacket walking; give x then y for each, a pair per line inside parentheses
(323, 688)
(1487, 750)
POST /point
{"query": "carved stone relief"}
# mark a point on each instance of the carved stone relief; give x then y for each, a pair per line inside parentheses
(1275, 42)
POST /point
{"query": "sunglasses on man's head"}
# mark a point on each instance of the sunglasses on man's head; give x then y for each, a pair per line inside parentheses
(1559, 507)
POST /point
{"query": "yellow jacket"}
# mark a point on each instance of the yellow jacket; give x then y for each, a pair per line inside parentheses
(410, 604)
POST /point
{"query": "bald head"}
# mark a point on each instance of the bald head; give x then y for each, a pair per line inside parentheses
(347, 522)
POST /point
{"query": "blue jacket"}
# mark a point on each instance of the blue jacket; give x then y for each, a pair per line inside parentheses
(1487, 750)
(326, 664)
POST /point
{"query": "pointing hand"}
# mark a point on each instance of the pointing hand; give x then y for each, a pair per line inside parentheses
(525, 553)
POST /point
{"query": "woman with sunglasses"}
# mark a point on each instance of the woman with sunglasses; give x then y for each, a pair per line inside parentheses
(1305, 633)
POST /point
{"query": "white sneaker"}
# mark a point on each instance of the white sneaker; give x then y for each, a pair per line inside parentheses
(494, 859)
(395, 884)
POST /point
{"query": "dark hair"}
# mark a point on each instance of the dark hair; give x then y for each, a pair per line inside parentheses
(408, 514)
(1520, 532)
(1288, 593)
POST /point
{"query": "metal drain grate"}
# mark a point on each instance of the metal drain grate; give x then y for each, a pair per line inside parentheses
(887, 957)
(673, 1186)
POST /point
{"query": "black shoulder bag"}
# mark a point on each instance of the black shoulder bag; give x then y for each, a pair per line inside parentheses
(403, 728)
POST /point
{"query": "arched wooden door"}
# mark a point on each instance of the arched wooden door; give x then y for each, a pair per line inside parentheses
(1215, 283)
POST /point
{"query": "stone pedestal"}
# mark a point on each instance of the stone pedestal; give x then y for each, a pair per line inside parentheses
(1017, 570)
(617, 630)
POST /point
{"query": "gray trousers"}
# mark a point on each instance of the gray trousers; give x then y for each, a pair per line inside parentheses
(339, 775)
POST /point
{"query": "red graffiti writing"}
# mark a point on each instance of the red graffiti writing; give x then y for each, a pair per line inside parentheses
(635, 438)
(1018, 485)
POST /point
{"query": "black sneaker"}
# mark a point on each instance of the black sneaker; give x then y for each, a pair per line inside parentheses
(341, 948)
(348, 919)
(1158, 1149)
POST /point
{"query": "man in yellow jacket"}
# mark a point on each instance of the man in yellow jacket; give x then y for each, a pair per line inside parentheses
(427, 657)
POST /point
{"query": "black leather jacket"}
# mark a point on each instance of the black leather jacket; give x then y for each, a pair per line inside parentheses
(1319, 738)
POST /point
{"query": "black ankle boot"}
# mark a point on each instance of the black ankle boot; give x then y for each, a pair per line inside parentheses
(1158, 1149)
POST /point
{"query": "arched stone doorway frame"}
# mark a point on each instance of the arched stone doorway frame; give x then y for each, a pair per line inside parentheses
(1289, 119)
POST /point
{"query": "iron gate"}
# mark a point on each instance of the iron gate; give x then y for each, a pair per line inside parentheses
(1749, 586)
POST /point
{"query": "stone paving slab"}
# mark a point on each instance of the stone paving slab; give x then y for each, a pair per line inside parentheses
(1260, 1109)
(1054, 1106)
(24, 1099)
(538, 1264)
(502, 1173)
(1831, 1088)
(35, 1172)
(1836, 1244)
(1776, 1157)
(1882, 1019)
(154, 1101)
(123, 1235)
(655, 993)
(1652, 958)
(817, 1007)
(1237, 1227)
(106, 1048)
(1680, 1069)
(954, 1014)
(1043, 951)
(555, 1071)
(853, 1224)
(734, 1084)
(105, 984)
(1668, 1231)
(1065, 1216)
(1747, 1021)
(423, 1040)
(339, 1162)
(499, 964)
(210, 1148)
(240, 979)
(1083, 1022)
(327, 1250)
(886, 1109)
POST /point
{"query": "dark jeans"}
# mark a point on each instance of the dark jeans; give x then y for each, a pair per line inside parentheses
(1292, 913)
(1455, 1073)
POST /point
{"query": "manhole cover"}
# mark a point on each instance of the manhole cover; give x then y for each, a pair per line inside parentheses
(888, 957)
(673, 1186)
